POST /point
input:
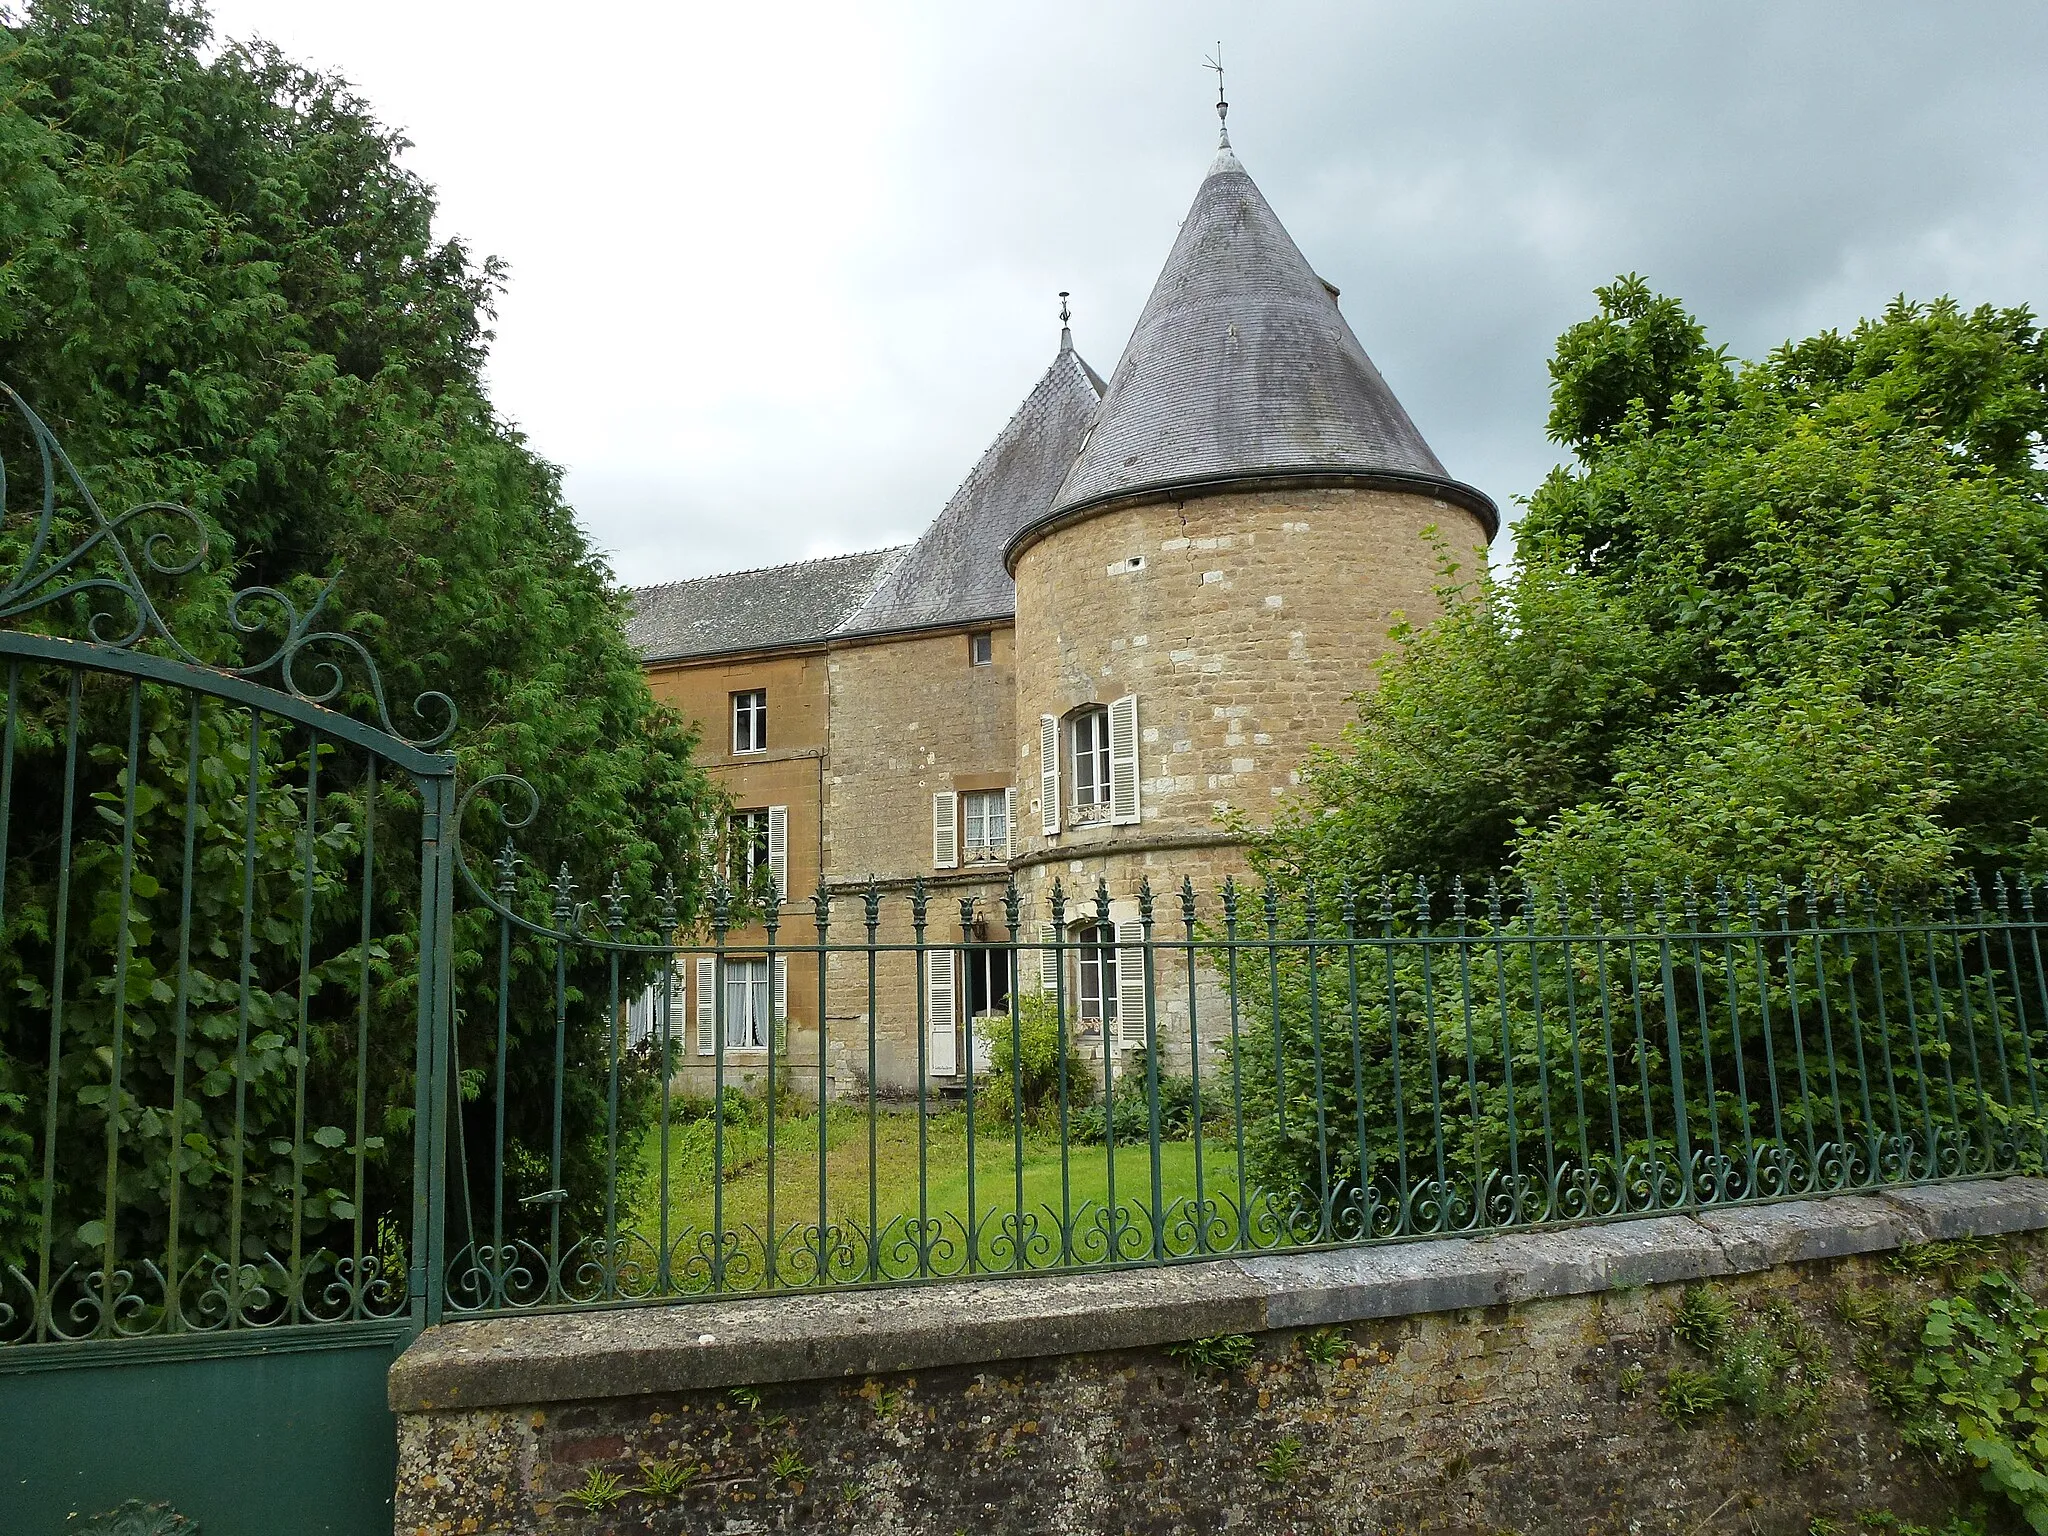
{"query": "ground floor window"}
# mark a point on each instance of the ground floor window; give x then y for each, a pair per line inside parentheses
(988, 981)
(1097, 954)
(746, 1005)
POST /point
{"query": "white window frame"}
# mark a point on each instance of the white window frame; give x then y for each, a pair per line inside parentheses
(749, 1004)
(981, 648)
(1095, 958)
(989, 841)
(1088, 752)
(750, 710)
(746, 854)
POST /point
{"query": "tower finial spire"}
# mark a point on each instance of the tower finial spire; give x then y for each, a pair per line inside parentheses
(1066, 336)
(1222, 106)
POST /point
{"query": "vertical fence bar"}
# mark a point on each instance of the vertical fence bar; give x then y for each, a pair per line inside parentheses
(1405, 1193)
(873, 915)
(771, 1236)
(1012, 917)
(308, 869)
(920, 983)
(1244, 1213)
(360, 1283)
(174, 1306)
(1151, 1067)
(119, 1034)
(244, 972)
(1348, 916)
(1681, 1130)
(721, 920)
(1111, 1027)
(1717, 1175)
(1058, 911)
(60, 938)
(1619, 1201)
(1725, 919)
(973, 1173)
(1507, 1042)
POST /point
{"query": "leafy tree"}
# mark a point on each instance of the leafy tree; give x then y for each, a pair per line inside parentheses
(1777, 620)
(221, 288)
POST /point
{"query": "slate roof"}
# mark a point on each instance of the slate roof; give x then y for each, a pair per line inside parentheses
(955, 572)
(1241, 365)
(750, 610)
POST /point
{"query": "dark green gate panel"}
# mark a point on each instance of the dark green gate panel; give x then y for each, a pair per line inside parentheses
(285, 1438)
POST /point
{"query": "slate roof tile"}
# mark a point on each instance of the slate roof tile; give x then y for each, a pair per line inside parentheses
(750, 610)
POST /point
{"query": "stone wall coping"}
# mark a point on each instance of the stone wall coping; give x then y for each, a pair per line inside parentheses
(538, 1358)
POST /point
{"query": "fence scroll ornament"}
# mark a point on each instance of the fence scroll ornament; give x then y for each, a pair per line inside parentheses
(101, 568)
(207, 1037)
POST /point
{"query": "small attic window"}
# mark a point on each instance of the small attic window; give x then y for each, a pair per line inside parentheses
(981, 648)
(1329, 287)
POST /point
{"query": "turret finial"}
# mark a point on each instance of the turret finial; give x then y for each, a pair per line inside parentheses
(1066, 336)
(1222, 106)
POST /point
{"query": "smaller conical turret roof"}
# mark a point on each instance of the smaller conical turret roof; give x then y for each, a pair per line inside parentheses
(1242, 368)
(954, 573)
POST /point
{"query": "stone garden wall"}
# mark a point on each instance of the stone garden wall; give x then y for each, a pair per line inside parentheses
(1514, 1384)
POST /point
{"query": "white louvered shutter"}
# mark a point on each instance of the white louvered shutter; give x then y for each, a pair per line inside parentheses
(778, 849)
(1009, 823)
(946, 830)
(781, 1006)
(1130, 984)
(1049, 775)
(707, 1004)
(942, 1001)
(1048, 958)
(1123, 761)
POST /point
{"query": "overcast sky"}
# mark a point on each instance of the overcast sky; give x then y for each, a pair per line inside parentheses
(779, 272)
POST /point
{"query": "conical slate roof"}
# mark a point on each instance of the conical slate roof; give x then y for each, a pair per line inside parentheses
(954, 573)
(1242, 367)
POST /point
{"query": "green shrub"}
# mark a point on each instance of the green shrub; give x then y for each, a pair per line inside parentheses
(1024, 1064)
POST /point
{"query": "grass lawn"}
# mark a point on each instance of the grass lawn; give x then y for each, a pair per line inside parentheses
(856, 1203)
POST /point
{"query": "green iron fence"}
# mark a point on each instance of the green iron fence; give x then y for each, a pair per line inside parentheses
(1225, 1072)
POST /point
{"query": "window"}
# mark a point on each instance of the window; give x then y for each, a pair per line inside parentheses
(988, 981)
(746, 853)
(1098, 973)
(981, 649)
(750, 721)
(746, 1005)
(986, 815)
(1091, 758)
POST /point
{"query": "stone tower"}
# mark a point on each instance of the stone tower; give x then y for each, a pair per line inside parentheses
(1248, 515)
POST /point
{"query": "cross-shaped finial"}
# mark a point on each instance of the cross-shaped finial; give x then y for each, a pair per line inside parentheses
(1222, 106)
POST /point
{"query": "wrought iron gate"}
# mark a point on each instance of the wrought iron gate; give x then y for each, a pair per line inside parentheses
(224, 1001)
